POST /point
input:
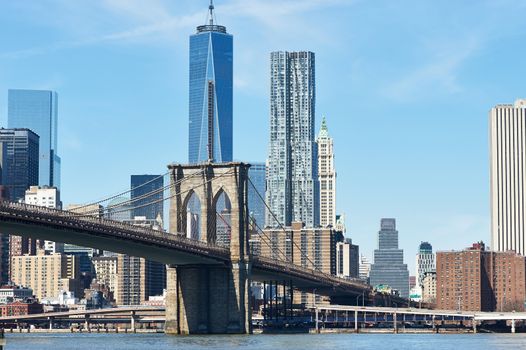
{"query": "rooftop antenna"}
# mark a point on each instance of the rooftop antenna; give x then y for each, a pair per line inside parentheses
(211, 10)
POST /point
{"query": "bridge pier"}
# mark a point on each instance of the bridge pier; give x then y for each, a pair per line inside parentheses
(208, 300)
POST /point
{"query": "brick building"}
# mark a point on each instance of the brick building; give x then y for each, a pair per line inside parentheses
(476, 279)
(19, 308)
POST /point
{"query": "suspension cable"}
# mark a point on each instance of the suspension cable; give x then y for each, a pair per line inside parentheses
(121, 193)
(280, 224)
(135, 199)
(173, 195)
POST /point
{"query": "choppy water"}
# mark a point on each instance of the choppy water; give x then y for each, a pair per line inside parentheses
(289, 342)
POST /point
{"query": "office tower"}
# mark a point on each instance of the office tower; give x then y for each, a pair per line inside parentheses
(38, 110)
(507, 125)
(147, 195)
(85, 254)
(388, 267)
(106, 272)
(61, 272)
(223, 228)
(292, 182)
(477, 279)
(19, 161)
(139, 278)
(425, 262)
(312, 248)
(347, 259)
(48, 197)
(211, 61)
(326, 176)
(429, 287)
(119, 209)
(365, 268)
(4, 258)
(256, 206)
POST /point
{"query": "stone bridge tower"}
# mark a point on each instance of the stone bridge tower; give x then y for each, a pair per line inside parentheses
(210, 298)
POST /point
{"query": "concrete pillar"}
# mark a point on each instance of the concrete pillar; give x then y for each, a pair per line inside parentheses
(513, 326)
(50, 323)
(474, 326)
(317, 327)
(86, 322)
(208, 299)
(171, 325)
(356, 321)
(395, 323)
(132, 321)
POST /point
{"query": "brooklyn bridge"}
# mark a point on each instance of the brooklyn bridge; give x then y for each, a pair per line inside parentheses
(208, 284)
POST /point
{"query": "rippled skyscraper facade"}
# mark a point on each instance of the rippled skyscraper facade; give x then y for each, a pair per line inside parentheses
(292, 181)
(210, 105)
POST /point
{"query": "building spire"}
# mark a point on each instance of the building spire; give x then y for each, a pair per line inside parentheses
(211, 10)
(324, 132)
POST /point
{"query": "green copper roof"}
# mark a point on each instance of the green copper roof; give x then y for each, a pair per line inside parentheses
(324, 132)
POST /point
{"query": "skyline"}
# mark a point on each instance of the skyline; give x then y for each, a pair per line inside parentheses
(446, 74)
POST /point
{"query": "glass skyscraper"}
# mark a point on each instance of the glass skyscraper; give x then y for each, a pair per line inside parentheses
(210, 105)
(141, 186)
(38, 110)
(256, 174)
(292, 182)
(19, 161)
(388, 267)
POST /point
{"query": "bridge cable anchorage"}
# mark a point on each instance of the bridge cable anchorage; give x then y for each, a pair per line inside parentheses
(135, 199)
(282, 226)
(172, 195)
(122, 193)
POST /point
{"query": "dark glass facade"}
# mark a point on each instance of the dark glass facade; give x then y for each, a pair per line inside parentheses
(143, 186)
(256, 207)
(389, 268)
(210, 104)
(37, 110)
(19, 161)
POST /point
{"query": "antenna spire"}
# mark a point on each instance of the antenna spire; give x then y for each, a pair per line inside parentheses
(211, 9)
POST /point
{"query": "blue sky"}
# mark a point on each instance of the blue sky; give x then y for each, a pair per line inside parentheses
(405, 85)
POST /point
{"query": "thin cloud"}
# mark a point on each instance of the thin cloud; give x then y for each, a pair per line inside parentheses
(155, 19)
(439, 73)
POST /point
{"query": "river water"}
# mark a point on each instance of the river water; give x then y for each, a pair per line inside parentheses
(253, 342)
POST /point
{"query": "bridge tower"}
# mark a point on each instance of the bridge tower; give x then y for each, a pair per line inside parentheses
(210, 298)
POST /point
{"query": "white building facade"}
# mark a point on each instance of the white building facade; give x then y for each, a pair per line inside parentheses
(507, 125)
(48, 197)
(425, 262)
(326, 177)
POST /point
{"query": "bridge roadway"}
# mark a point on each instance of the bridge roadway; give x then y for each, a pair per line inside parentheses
(173, 249)
(84, 313)
(358, 314)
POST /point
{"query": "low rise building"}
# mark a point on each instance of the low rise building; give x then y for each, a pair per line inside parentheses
(11, 293)
(20, 308)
